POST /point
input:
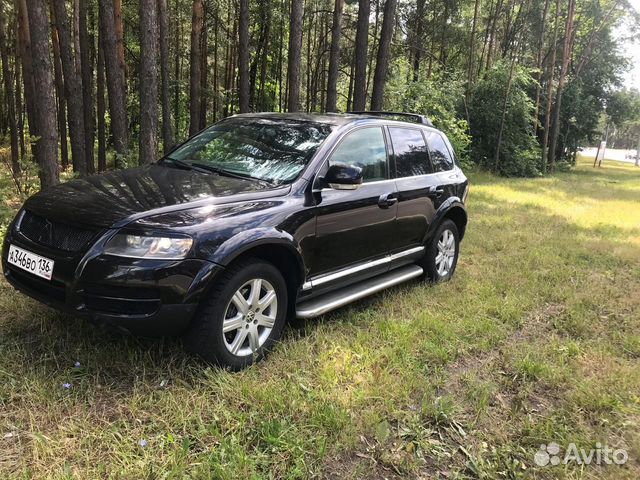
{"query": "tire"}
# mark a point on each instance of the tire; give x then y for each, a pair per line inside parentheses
(437, 269)
(249, 335)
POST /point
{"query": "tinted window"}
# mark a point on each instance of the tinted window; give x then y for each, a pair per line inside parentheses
(410, 152)
(274, 150)
(440, 155)
(451, 150)
(366, 149)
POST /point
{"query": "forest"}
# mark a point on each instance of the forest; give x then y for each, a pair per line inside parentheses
(517, 85)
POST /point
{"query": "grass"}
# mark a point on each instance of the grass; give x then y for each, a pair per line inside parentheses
(536, 340)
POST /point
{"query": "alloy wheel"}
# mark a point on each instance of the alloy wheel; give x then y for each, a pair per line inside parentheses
(446, 253)
(249, 317)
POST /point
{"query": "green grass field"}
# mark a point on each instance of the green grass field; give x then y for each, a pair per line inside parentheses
(536, 340)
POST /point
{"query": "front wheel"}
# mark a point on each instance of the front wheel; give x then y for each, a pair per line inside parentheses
(242, 317)
(441, 256)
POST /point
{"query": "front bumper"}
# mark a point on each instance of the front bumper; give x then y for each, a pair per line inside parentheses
(146, 297)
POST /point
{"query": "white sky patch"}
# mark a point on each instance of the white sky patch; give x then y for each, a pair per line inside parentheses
(631, 49)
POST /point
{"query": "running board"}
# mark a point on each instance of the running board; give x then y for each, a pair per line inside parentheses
(330, 301)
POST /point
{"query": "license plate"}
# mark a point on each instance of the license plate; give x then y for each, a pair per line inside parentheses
(30, 262)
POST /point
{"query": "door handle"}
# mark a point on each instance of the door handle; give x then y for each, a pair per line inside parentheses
(435, 191)
(387, 200)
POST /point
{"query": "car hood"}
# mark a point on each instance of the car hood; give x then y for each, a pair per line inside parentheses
(118, 197)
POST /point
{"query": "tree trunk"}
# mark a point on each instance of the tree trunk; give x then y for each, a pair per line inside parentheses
(75, 34)
(177, 68)
(194, 92)
(148, 81)
(566, 57)
(115, 81)
(372, 56)
(309, 37)
(491, 30)
(361, 46)
(485, 41)
(230, 64)
(281, 97)
(167, 134)
(72, 89)
(472, 46)
(119, 29)
(264, 58)
(258, 58)
(334, 57)
(86, 68)
(7, 77)
(539, 66)
(227, 63)
(215, 66)
(24, 44)
(101, 110)
(243, 57)
(19, 103)
(417, 47)
(324, 45)
(60, 97)
(350, 90)
(382, 61)
(552, 66)
(295, 50)
(43, 123)
(233, 60)
(444, 51)
(505, 105)
(204, 71)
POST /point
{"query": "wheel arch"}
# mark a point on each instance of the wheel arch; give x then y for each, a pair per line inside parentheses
(459, 216)
(275, 247)
(455, 211)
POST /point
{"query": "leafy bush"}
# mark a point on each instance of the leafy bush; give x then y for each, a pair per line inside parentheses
(520, 154)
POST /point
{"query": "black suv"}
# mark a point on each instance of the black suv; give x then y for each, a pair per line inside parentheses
(257, 218)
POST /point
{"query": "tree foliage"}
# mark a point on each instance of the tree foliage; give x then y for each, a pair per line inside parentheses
(520, 152)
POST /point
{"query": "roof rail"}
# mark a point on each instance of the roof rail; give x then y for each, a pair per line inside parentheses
(417, 118)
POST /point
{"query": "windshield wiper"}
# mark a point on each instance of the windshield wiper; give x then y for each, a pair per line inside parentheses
(227, 173)
(185, 165)
(209, 169)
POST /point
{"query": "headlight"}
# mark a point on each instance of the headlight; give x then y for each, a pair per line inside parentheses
(139, 246)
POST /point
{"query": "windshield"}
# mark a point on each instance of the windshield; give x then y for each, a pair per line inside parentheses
(273, 150)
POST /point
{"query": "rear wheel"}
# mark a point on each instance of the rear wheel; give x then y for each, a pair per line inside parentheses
(242, 317)
(441, 256)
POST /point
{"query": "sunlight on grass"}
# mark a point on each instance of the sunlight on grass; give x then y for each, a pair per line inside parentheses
(588, 198)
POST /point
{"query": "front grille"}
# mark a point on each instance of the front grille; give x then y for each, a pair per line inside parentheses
(53, 234)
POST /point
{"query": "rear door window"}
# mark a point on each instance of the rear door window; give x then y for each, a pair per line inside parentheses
(440, 155)
(410, 151)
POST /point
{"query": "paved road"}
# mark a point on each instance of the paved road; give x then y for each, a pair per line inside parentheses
(611, 154)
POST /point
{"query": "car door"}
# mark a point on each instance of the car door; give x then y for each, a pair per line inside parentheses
(419, 187)
(356, 226)
(451, 179)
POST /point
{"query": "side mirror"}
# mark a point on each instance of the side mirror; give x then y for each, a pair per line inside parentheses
(343, 177)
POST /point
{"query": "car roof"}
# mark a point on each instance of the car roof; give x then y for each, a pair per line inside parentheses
(337, 119)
